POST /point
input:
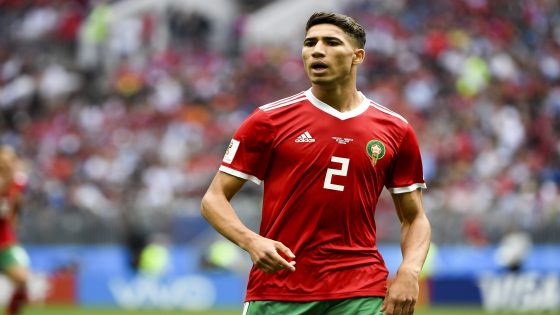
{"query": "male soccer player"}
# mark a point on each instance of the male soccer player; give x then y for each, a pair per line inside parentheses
(324, 155)
(13, 259)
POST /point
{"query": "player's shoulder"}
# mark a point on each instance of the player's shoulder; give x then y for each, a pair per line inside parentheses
(275, 113)
(283, 103)
(387, 113)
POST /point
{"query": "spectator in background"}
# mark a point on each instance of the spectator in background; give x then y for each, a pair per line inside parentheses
(14, 261)
(512, 250)
(224, 255)
(154, 258)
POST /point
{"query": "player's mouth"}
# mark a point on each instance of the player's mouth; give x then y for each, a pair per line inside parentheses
(318, 67)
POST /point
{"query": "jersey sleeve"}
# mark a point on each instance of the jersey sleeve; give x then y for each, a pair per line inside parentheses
(406, 174)
(249, 151)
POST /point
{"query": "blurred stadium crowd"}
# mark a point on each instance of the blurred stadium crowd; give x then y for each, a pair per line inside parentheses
(119, 134)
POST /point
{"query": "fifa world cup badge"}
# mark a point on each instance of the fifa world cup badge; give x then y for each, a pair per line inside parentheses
(231, 150)
(376, 150)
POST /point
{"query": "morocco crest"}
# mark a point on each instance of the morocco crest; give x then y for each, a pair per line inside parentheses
(376, 150)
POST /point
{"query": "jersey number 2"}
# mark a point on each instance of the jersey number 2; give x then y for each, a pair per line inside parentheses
(343, 171)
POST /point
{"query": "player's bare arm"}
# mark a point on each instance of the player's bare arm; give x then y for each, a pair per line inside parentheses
(218, 211)
(415, 241)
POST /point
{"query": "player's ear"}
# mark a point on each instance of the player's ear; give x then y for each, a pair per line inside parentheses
(358, 56)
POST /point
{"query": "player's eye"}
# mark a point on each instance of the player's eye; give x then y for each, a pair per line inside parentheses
(309, 43)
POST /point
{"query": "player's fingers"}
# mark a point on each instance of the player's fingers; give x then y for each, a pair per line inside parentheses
(403, 306)
(388, 308)
(267, 262)
(283, 263)
(278, 267)
(408, 307)
(285, 250)
(272, 262)
(398, 309)
(265, 266)
(272, 266)
(400, 306)
(384, 305)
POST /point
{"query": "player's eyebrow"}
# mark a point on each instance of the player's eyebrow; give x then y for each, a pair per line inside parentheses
(327, 38)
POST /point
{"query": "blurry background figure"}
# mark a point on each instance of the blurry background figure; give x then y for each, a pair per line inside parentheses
(13, 259)
(154, 257)
(136, 241)
(225, 256)
(513, 249)
(93, 35)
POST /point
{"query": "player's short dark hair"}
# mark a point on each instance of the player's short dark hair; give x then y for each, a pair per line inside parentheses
(344, 22)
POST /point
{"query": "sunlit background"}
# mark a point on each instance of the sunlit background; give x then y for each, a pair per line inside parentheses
(122, 111)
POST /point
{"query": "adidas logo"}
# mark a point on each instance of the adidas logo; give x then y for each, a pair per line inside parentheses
(305, 137)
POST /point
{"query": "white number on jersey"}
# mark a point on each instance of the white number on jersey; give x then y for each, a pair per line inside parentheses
(343, 171)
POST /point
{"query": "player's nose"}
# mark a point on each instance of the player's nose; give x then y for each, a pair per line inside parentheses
(318, 50)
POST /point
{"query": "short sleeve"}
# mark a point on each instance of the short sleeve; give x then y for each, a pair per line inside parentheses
(248, 153)
(406, 173)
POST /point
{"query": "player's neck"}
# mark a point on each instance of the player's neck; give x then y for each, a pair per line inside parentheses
(343, 99)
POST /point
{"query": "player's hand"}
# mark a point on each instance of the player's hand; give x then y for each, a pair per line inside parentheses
(402, 294)
(267, 254)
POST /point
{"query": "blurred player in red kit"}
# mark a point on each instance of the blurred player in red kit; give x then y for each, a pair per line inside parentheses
(13, 259)
(324, 156)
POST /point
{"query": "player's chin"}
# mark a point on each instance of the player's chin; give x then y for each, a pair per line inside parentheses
(320, 80)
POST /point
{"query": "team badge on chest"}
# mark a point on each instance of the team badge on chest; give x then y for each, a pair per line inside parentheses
(376, 150)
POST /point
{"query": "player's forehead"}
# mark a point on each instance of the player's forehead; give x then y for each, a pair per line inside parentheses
(326, 30)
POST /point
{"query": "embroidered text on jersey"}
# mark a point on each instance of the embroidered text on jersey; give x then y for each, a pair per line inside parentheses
(342, 140)
(305, 137)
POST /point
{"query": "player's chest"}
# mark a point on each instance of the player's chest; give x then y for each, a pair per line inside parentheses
(319, 143)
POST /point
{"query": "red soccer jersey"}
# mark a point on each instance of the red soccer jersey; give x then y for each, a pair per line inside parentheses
(7, 204)
(323, 172)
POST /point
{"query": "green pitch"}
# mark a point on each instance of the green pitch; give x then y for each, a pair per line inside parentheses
(66, 310)
(50, 310)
